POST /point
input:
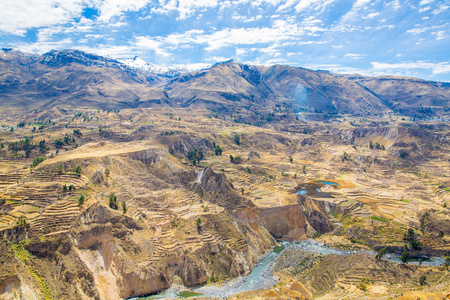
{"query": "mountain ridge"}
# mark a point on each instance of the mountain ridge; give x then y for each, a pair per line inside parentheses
(75, 78)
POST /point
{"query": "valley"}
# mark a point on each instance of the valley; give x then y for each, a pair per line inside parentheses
(107, 197)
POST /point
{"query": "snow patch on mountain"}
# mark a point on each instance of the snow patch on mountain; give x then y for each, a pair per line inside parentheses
(169, 71)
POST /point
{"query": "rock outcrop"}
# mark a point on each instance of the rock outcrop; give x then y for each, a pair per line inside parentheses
(285, 222)
(219, 190)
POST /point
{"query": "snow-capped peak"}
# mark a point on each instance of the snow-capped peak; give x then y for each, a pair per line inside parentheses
(170, 71)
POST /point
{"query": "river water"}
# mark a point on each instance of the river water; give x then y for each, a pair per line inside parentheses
(261, 275)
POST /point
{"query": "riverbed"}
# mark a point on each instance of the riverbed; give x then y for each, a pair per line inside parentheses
(261, 276)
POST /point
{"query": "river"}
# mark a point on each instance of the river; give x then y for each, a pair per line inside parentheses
(261, 275)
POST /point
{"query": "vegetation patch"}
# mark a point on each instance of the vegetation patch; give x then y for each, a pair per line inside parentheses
(23, 255)
(187, 294)
(278, 249)
(379, 219)
(405, 200)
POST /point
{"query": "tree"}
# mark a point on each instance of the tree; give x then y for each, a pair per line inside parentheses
(404, 258)
(380, 253)
(441, 233)
(195, 156)
(291, 160)
(113, 201)
(124, 207)
(237, 139)
(217, 150)
(447, 262)
(64, 189)
(21, 221)
(231, 158)
(199, 222)
(370, 144)
(81, 200)
(423, 280)
(304, 169)
(77, 170)
(107, 172)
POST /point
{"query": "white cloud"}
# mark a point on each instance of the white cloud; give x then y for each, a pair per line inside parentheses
(436, 68)
(440, 35)
(148, 43)
(112, 8)
(440, 9)
(425, 2)
(17, 16)
(372, 15)
(185, 8)
(240, 51)
(355, 55)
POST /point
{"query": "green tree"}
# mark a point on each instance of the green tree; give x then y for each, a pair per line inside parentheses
(291, 160)
(304, 169)
(447, 262)
(380, 253)
(199, 222)
(124, 207)
(77, 170)
(404, 258)
(21, 221)
(37, 161)
(81, 200)
(195, 156)
(64, 188)
(113, 201)
(422, 280)
(107, 172)
(237, 139)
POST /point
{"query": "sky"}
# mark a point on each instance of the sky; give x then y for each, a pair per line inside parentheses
(404, 38)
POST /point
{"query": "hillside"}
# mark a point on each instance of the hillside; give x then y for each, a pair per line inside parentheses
(72, 78)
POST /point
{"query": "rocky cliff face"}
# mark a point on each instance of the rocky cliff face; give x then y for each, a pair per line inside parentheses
(285, 222)
(219, 190)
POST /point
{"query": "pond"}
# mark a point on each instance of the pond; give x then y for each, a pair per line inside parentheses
(327, 182)
(261, 275)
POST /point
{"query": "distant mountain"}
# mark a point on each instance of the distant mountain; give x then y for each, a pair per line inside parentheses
(73, 78)
(138, 63)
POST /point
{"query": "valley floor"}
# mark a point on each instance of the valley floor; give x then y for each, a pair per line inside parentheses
(112, 205)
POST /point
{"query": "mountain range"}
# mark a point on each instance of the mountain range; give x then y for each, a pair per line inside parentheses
(72, 78)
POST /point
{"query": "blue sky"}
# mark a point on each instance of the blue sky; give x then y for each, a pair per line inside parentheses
(406, 38)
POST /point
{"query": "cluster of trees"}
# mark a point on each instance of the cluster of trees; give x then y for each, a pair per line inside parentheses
(69, 189)
(113, 203)
(26, 144)
(37, 161)
(411, 237)
(195, 156)
(217, 149)
(376, 146)
(235, 159)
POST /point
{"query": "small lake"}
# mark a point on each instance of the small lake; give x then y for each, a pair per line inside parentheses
(327, 182)
(261, 275)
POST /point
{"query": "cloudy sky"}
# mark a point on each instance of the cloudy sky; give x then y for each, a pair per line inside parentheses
(410, 38)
